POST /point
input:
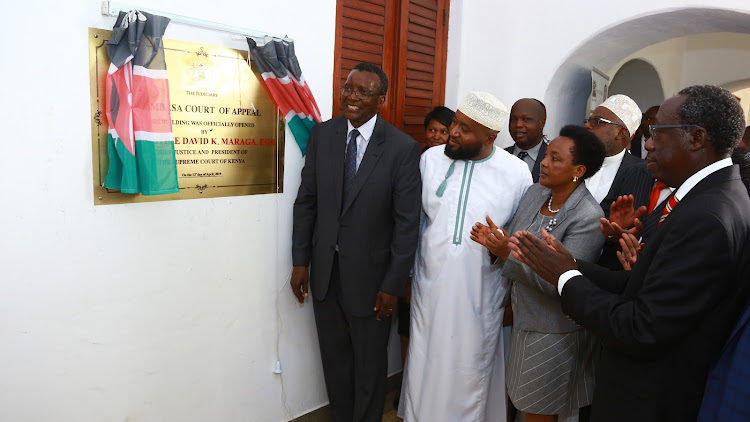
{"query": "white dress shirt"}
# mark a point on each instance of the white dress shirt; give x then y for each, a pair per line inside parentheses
(365, 133)
(600, 183)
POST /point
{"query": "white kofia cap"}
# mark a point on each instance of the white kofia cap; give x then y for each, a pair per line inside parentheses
(626, 109)
(485, 109)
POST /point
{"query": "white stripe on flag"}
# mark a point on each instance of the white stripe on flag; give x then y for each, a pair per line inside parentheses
(154, 136)
(149, 73)
(270, 75)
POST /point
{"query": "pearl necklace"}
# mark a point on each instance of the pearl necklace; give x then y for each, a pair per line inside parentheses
(549, 206)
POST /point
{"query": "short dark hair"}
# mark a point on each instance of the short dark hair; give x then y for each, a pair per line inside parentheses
(373, 68)
(442, 115)
(716, 110)
(588, 150)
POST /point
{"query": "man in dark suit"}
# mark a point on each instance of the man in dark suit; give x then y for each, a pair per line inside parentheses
(356, 221)
(614, 122)
(526, 127)
(663, 323)
(641, 135)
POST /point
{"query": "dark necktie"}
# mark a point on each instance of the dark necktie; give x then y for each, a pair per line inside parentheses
(350, 164)
(523, 154)
(668, 208)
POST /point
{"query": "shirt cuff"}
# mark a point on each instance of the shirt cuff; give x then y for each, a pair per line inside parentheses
(564, 277)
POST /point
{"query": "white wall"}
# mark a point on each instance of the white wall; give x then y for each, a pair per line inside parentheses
(546, 49)
(716, 58)
(166, 311)
(160, 311)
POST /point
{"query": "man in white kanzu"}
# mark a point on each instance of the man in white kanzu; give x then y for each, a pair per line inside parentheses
(455, 367)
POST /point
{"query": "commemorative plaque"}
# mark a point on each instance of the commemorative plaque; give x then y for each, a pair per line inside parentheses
(228, 135)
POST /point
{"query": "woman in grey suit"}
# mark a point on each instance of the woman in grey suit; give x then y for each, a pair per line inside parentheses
(551, 363)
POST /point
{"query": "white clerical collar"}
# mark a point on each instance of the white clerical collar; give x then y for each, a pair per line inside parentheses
(365, 130)
(608, 161)
(701, 174)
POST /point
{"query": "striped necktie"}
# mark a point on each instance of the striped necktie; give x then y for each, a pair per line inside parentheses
(350, 164)
(668, 208)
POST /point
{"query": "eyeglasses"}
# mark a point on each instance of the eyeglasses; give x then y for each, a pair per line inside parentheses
(595, 121)
(652, 129)
(362, 95)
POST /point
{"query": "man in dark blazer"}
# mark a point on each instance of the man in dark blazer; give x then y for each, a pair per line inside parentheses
(526, 127)
(663, 323)
(356, 222)
(614, 122)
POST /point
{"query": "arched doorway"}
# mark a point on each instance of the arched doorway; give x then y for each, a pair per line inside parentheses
(569, 88)
(640, 81)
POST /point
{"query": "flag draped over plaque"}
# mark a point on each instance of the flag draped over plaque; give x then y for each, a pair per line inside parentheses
(282, 75)
(139, 142)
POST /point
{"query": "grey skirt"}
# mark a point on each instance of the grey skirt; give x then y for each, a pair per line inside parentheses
(550, 374)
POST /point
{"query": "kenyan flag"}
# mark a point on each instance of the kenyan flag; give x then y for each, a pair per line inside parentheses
(282, 74)
(140, 142)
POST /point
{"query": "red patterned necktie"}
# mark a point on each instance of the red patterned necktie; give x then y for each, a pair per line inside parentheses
(668, 208)
(653, 200)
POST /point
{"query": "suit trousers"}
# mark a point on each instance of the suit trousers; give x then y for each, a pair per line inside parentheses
(354, 354)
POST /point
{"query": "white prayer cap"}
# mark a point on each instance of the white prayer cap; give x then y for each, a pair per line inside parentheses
(485, 109)
(626, 109)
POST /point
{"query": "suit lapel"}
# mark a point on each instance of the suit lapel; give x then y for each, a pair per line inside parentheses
(337, 152)
(539, 157)
(372, 155)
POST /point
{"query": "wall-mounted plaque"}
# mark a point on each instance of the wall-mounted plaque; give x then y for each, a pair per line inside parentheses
(228, 135)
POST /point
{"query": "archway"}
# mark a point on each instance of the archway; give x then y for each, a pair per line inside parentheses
(640, 81)
(569, 88)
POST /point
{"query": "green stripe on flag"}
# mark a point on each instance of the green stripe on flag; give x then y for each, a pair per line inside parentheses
(301, 130)
(157, 167)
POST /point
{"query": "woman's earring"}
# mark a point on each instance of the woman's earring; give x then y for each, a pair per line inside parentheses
(575, 179)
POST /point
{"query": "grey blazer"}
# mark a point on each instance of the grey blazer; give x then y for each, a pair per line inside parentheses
(537, 304)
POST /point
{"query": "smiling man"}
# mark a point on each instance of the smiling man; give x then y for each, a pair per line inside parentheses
(664, 322)
(526, 127)
(455, 367)
(355, 232)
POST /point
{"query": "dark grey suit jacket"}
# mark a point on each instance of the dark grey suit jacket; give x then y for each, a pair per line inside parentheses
(539, 158)
(663, 323)
(632, 178)
(376, 229)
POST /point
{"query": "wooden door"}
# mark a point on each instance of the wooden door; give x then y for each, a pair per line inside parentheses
(408, 39)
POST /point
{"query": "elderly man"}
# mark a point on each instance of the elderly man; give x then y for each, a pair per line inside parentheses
(355, 224)
(615, 122)
(455, 366)
(526, 127)
(665, 322)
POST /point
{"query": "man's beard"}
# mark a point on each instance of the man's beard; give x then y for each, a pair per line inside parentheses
(462, 153)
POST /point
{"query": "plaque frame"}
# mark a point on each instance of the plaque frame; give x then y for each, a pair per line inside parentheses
(273, 175)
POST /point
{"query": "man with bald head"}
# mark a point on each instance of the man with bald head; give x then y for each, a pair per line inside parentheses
(526, 127)
(455, 367)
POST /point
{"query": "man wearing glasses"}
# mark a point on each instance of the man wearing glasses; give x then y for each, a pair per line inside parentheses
(356, 221)
(664, 322)
(615, 122)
